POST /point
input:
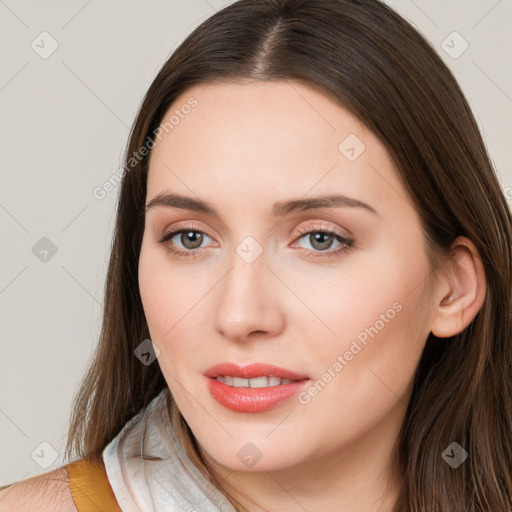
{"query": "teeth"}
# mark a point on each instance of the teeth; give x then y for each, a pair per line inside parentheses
(274, 381)
(258, 382)
(240, 383)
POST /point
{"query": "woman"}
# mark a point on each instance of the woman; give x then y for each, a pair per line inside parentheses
(308, 299)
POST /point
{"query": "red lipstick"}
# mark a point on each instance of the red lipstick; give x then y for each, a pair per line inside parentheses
(253, 399)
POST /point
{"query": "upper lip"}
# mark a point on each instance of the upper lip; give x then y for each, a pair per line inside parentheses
(252, 371)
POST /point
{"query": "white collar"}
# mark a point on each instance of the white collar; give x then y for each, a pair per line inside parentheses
(173, 483)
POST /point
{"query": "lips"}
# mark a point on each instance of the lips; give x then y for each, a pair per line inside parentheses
(253, 399)
(252, 371)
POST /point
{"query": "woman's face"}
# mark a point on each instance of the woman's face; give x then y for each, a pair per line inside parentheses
(334, 294)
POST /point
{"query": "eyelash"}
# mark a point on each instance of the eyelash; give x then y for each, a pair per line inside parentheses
(347, 243)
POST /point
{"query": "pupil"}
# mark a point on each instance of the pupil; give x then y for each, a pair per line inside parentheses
(317, 239)
(192, 237)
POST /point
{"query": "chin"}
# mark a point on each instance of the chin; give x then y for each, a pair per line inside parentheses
(252, 456)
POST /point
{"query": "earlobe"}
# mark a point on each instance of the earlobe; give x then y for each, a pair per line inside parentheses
(463, 291)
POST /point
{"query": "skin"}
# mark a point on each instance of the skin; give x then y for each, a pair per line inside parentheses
(243, 148)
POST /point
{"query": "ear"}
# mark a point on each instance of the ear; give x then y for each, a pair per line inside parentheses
(461, 292)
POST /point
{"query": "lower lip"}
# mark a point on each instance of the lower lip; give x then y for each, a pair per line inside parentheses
(253, 399)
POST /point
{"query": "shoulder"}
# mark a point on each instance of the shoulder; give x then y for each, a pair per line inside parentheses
(47, 492)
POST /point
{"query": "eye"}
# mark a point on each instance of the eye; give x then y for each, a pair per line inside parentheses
(190, 239)
(322, 239)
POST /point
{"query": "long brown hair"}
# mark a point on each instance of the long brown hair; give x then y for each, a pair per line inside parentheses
(372, 62)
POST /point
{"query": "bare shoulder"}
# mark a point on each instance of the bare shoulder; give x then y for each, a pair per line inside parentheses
(47, 492)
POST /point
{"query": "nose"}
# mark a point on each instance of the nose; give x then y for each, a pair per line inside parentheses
(247, 303)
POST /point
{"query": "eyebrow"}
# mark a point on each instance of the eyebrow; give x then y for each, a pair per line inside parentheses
(279, 209)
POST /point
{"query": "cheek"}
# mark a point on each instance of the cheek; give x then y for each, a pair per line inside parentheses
(370, 288)
(165, 290)
(152, 286)
(171, 299)
(370, 323)
(360, 379)
(162, 303)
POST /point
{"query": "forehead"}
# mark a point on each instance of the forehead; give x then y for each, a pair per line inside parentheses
(267, 138)
(250, 115)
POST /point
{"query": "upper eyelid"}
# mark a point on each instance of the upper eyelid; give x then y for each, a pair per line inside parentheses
(311, 227)
(318, 224)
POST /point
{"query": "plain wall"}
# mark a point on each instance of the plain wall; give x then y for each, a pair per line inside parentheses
(65, 120)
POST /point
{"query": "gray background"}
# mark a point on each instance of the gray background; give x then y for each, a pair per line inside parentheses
(65, 123)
